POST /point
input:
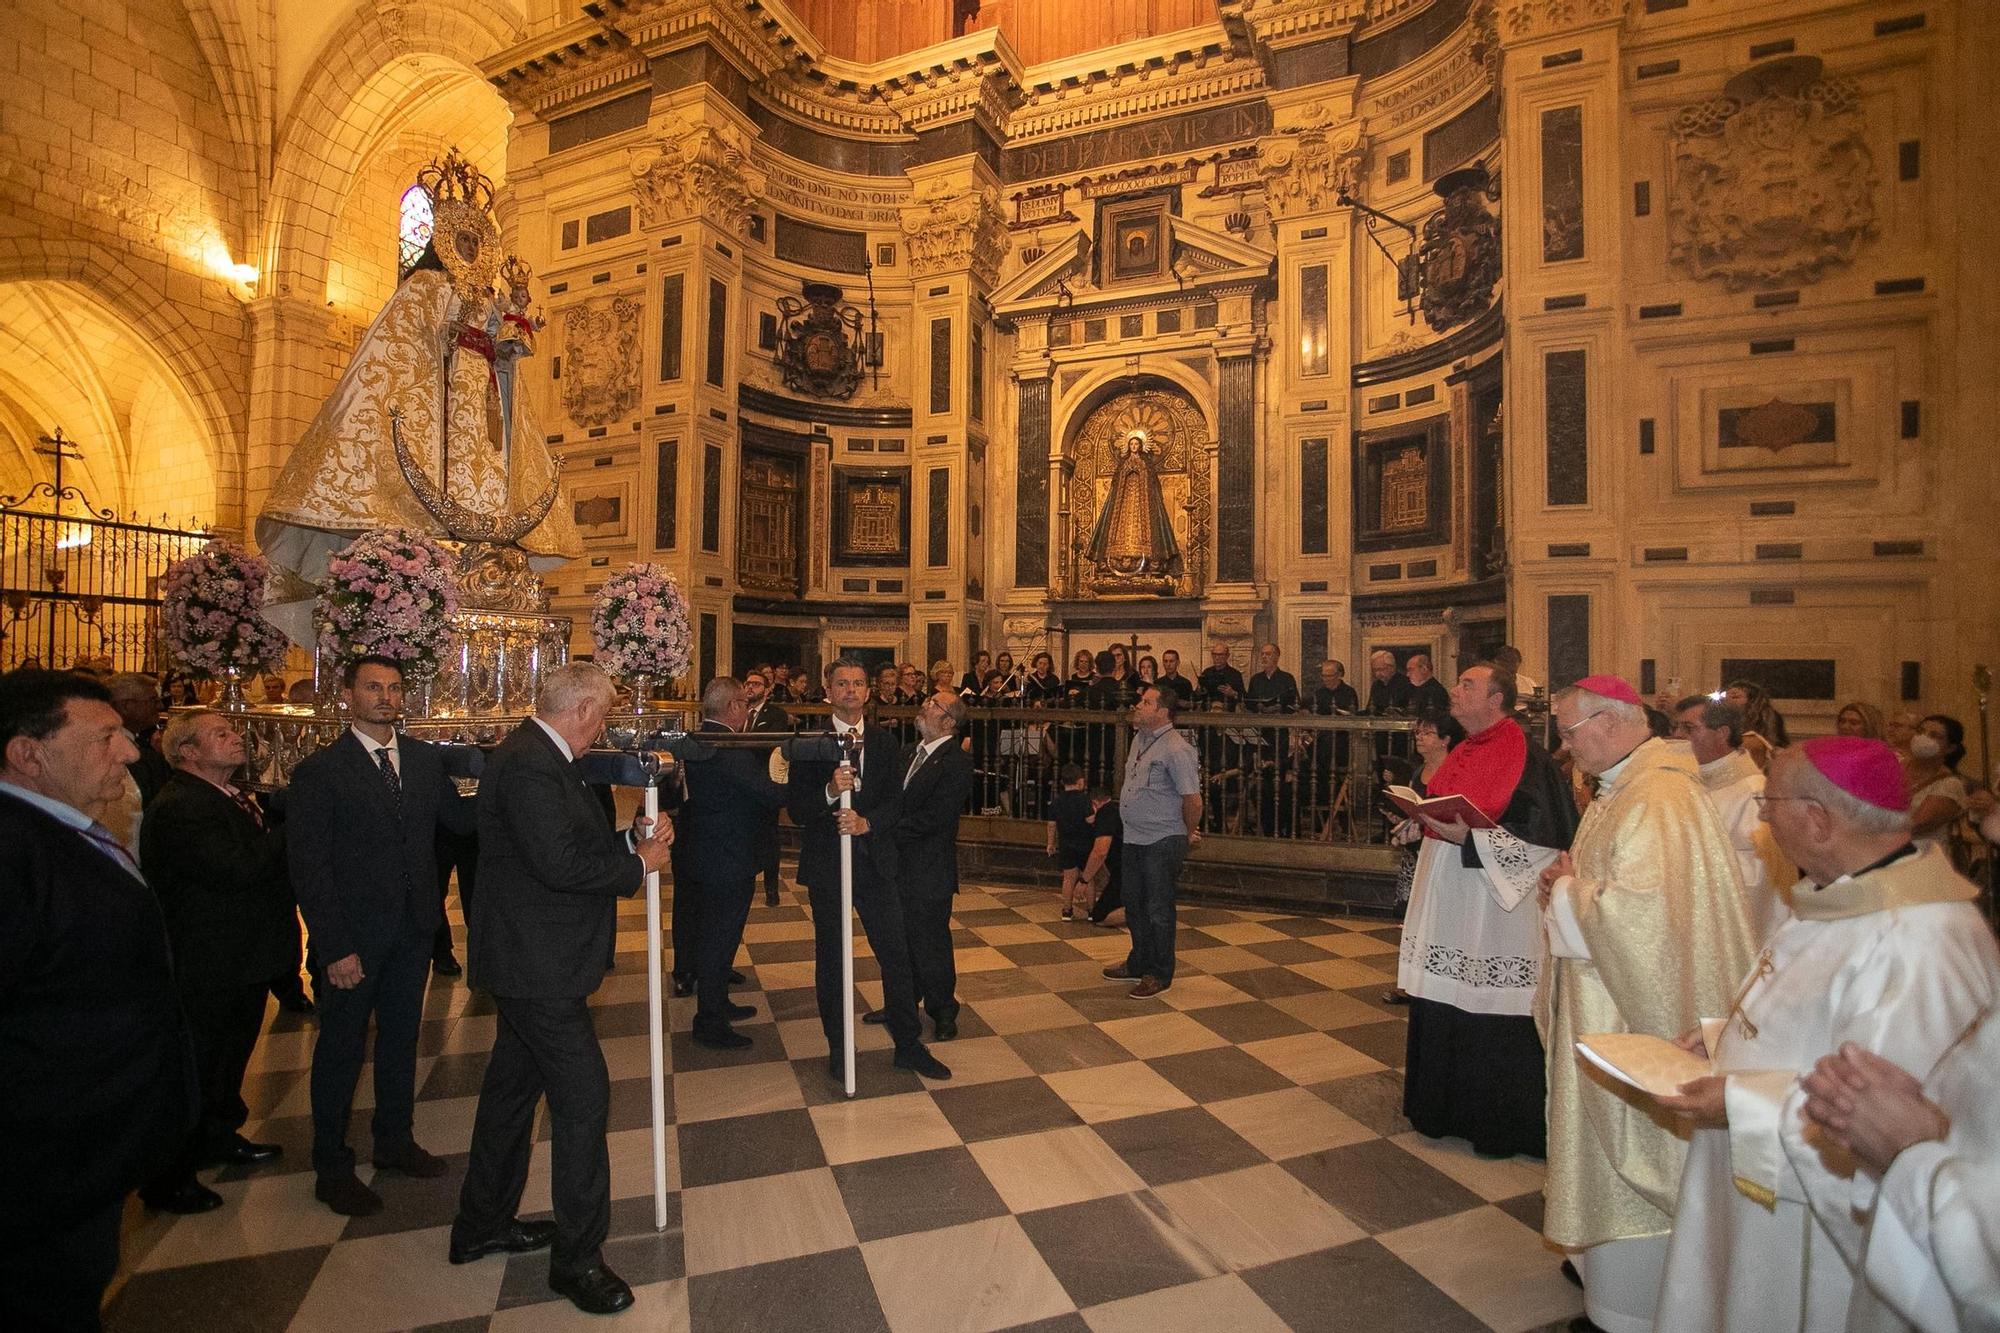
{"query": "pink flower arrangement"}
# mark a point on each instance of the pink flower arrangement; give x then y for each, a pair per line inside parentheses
(212, 611)
(640, 623)
(388, 593)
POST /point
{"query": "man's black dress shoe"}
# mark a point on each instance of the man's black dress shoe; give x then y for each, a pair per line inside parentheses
(187, 1198)
(683, 986)
(720, 1037)
(346, 1195)
(239, 1151)
(918, 1060)
(411, 1161)
(594, 1291)
(735, 1011)
(944, 1029)
(447, 966)
(517, 1237)
(876, 1016)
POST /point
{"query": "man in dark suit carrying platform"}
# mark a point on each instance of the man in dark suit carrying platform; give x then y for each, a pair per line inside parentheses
(361, 841)
(550, 876)
(814, 790)
(937, 779)
(765, 716)
(218, 867)
(730, 803)
(98, 1078)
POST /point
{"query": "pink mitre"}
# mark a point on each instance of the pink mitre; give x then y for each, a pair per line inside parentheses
(1614, 688)
(1865, 769)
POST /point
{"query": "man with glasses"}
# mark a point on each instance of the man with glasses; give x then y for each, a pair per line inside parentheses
(1646, 933)
(1713, 730)
(1887, 960)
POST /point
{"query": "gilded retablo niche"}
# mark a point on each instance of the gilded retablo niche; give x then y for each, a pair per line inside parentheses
(1138, 499)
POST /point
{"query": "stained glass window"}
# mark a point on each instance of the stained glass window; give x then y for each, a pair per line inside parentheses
(413, 232)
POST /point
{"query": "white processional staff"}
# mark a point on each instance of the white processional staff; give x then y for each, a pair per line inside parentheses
(655, 1028)
(847, 930)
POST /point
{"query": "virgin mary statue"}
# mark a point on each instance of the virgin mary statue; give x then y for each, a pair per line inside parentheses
(427, 428)
(1134, 538)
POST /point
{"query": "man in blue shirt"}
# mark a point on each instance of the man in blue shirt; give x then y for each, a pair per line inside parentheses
(1160, 807)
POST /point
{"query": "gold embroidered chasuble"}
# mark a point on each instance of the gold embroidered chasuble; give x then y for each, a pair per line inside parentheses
(1657, 899)
(343, 477)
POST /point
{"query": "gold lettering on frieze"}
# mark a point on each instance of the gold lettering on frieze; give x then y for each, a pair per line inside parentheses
(1176, 134)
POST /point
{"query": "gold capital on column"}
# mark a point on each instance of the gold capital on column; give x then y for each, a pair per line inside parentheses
(1310, 161)
(953, 227)
(696, 170)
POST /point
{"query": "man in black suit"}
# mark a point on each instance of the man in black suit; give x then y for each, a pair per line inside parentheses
(361, 835)
(98, 1080)
(766, 716)
(814, 790)
(1427, 692)
(550, 876)
(136, 696)
(937, 779)
(219, 871)
(730, 802)
(1171, 677)
(1388, 688)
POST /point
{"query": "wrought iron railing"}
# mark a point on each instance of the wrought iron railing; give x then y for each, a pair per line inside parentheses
(76, 586)
(1298, 776)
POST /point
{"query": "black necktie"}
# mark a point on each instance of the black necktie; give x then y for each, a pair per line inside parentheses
(390, 775)
(248, 806)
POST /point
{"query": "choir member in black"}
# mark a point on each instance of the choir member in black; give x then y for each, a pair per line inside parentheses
(1427, 692)
(1272, 689)
(1171, 677)
(974, 679)
(1333, 697)
(1009, 674)
(1042, 688)
(1221, 680)
(1082, 670)
(1388, 688)
(1105, 695)
(910, 681)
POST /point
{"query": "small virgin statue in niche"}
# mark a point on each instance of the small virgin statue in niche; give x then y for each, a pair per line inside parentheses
(1133, 545)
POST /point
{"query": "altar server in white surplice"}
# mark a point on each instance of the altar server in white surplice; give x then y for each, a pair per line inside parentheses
(1932, 1257)
(1472, 941)
(1885, 952)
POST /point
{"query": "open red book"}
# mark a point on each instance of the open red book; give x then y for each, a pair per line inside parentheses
(1444, 809)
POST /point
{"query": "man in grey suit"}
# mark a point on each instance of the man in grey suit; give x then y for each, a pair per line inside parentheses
(550, 876)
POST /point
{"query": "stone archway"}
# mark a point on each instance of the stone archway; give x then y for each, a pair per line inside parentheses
(1180, 442)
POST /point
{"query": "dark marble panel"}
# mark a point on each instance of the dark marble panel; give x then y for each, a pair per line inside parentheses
(1003, 1109)
(714, 1152)
(937, 553)
(1236, 481)
(940, 363)
(673, 315)
(1219, 1074)
(1461, 138)
(1566, 410)
(1569, 639)
(920, 1191)
(667, 495)
(1313, 506)
(718, 331)
(1031, 485)
(1376, 1291)
(1562, 184)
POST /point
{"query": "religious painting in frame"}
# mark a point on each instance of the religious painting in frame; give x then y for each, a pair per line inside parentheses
(1132, 239)
(602, 509)
(871, 516)
(1403, 498)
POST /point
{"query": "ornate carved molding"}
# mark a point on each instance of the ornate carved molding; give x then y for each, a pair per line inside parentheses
(658, 26)
(1470, 60)
(951, 228)
(1195, 80)
(696, 170)
(1522, 19)
(1308, 163)
(1288, 22)
(1773, 183)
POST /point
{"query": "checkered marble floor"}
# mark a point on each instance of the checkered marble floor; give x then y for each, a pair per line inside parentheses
(1227, 1155)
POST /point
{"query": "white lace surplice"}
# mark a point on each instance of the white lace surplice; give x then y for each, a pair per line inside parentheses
(1467, 939)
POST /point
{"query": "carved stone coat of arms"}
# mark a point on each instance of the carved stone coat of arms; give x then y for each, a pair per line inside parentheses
(1773, 181)
(600, 372)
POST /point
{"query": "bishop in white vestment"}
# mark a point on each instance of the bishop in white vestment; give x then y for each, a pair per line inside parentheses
(1885, 951)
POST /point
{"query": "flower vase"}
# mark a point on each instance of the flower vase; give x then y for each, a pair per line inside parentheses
(232, 699)
(641, 685)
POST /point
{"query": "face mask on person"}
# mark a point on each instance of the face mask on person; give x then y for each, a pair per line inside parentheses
(1926, 746)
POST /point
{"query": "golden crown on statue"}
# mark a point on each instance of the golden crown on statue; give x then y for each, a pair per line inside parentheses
(454, 179)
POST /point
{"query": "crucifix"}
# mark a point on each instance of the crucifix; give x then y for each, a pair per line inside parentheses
(58, 449)
(1137, 648)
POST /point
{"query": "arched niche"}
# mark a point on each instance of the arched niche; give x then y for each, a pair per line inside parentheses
(1103, 421)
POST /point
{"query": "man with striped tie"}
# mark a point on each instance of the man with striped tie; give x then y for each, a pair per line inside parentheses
(361, 827)
(99, 1082)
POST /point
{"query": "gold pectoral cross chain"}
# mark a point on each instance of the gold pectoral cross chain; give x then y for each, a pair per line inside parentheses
(1763, 969)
